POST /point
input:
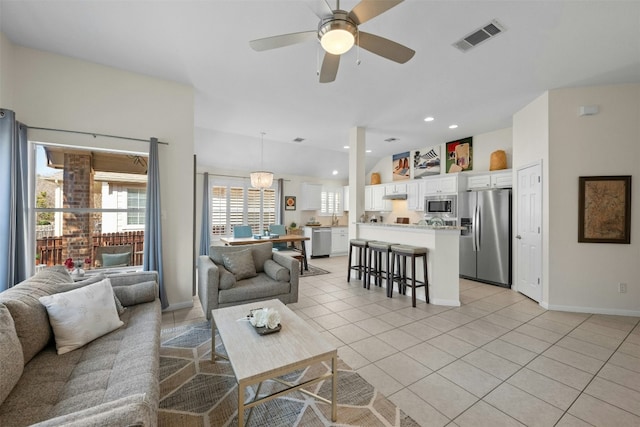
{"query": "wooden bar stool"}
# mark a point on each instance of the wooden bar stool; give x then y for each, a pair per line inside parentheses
(361, 266)
(399, 254)
(376, 250)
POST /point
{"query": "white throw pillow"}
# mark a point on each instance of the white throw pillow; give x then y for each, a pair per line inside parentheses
(81, 315)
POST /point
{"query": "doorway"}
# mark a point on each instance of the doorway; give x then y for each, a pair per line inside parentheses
(529, 231)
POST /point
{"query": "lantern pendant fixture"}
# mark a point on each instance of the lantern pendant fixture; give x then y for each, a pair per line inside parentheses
(261, 179)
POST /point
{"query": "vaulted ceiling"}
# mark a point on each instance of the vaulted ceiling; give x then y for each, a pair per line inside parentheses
(241, 93)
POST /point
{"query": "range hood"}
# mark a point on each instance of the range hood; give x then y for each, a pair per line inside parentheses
(395, 196)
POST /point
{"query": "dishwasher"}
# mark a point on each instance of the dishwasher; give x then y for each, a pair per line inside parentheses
(320, 241)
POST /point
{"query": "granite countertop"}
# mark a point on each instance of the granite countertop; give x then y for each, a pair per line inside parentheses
(416, 226)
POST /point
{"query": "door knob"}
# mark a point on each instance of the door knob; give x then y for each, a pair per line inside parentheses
(518, 237)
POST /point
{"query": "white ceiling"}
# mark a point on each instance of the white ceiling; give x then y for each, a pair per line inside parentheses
(240, 93)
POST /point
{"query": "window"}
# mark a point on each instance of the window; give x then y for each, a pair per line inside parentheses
(331, 201)
(136, 199)
(238, 204)
(86, 198)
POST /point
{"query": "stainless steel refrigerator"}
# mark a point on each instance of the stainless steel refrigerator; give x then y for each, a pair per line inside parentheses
(485, 241)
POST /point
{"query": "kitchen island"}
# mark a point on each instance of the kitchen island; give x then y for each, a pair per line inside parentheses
(442, 258)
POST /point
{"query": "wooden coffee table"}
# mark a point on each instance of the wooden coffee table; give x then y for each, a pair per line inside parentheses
(256, 358)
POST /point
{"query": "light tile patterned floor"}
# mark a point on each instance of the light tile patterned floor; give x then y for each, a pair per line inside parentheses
(498, 360)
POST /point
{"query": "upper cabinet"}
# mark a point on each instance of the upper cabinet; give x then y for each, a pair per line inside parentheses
(377, 201)
(441, 185)
(395, 188)
(498, 179)
(415, 195)
(310, 197)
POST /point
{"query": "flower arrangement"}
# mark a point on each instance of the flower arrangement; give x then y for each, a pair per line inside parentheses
(75, 265)
(265, 317)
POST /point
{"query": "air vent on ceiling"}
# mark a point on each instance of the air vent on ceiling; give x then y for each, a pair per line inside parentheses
(298, 139)
(480, 35)
(390, 139)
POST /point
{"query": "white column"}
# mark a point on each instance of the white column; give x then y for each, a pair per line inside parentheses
(357, 145)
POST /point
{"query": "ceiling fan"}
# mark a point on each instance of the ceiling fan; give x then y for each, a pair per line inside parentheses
(338, 31)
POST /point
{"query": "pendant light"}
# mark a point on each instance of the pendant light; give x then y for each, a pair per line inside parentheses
(261, 179)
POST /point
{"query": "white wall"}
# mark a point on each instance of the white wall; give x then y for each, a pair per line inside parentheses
(586, 275)
(59, 92)
(583, 276)
(6, 75)
(531, 144)
(483, 145)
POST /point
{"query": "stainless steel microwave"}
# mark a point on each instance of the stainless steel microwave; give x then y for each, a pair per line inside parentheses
(443, 206)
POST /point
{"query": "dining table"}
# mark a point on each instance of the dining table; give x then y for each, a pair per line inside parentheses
(287, 238)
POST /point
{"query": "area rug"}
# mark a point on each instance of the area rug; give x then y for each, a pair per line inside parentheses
(314, 271)
(196, 392)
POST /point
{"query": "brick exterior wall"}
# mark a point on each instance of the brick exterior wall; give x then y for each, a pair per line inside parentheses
(77, 191)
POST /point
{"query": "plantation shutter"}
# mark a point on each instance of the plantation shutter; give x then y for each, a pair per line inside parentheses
(236, 207)
(218, 210)
(269, 207)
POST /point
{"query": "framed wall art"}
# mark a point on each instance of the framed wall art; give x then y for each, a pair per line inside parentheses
(460, 155)
(604, 209)
(401, 167)
(426, 162)
(289, 203)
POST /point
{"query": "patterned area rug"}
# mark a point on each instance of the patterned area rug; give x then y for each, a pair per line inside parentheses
(196, 392)
(313, 271)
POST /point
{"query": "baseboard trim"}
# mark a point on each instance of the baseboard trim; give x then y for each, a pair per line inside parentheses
(447, 302)
(591, 310)
(179, 306)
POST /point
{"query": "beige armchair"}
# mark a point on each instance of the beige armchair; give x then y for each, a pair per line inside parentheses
(233, 275)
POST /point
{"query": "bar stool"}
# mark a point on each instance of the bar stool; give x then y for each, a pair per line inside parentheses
(376, 250)
(361, 266)
(400, 253)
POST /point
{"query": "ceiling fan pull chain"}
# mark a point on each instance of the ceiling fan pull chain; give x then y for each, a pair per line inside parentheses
(318, 59)
(358, 47)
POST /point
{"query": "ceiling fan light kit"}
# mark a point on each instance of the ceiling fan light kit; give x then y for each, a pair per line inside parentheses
(337, 35)
(338, 31)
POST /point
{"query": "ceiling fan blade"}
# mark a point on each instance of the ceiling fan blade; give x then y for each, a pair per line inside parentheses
(369, 9)
(384, 47)
(329, 68)
(283, 40)
(320, 7)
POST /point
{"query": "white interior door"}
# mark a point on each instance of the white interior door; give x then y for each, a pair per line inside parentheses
(529, 231)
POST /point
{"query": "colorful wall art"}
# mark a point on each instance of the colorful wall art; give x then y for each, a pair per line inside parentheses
(460, 155)
(401, 166)
(426, 162)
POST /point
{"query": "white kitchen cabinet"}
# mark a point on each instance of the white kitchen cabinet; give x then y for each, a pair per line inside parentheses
(478, 182)
(377, 201)
(438, 185)
(368, 198)
(339, 241)
(415, 195)
(395, 188)
(502, 179)
(310, 197)
(345, 198)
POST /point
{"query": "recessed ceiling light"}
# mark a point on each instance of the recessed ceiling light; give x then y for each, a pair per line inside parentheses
(367, 151)
(335, 172)
(346, 146)
(453, 126)
(429, 119)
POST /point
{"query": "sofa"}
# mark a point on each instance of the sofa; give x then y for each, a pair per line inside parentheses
(112, 380)
(232, 275)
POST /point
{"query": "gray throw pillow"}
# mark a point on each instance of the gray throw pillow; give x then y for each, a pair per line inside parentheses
(240, 264)
(227, 279)
(276, 271)
(136, 294)
(116, 260)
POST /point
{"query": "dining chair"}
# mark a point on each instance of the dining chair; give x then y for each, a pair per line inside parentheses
(280, 230)
(242, 231)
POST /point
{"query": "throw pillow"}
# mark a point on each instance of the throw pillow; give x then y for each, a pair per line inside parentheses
(137, 293)
(276, 271)
(227, 279)
(81, 315)
(116, 260)
(240, 264)
(119, 307)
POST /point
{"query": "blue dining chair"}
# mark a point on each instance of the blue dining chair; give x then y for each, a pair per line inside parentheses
(280, 230)
(242, 231)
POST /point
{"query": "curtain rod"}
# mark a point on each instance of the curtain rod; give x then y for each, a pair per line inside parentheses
(95, 134)
(233, 176)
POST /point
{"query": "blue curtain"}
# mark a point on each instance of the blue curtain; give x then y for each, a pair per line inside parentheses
(15, 262)
(152, 225)
(205, 233)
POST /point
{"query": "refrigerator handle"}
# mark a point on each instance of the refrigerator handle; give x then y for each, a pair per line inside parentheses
(478, 229)
(475, 228)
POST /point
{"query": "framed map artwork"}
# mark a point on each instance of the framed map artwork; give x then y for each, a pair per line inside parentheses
(604, 209)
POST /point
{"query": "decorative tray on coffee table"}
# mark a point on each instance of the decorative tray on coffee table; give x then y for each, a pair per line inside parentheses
(263, 330)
